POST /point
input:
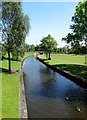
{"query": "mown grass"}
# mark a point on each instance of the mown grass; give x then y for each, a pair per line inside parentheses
(10, 95)
(75, 64)
(28, 54)
(10, 90)
(66, 59)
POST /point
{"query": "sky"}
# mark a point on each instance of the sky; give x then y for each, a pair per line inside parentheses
(49, 18)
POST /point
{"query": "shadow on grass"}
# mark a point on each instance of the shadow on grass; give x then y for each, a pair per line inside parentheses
(78, 70)
(7, 71)
(12, 59)
(4, 70)
(46, 60)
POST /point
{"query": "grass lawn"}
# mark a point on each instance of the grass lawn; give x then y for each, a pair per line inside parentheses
(10, 90)
(74, 64)
(65, 59)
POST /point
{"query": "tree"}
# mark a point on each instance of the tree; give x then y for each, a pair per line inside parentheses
(48, 44)
(73, 40)
(78, 37)
(19, 46)
(27, 47)
(80, 22)
(15, 28)
(32, 48)
(2, 51)
(37, 48)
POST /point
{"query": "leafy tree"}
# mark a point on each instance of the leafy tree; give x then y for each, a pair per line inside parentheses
(32, 48)
(80, 22)
(83, 50)
(27, 47)
(78, 37)
(15, 28)
(48, 44)
(63, 50)
(19, 46)
(2, 51)
(37, 48)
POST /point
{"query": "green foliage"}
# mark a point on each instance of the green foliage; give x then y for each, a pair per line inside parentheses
(32, 48)
(64, 49)
(15, 28)
(2, 50)
(26, 24)
(78, 37)
(29, 48)
(37, 48)
(48, 43)
(18, 53)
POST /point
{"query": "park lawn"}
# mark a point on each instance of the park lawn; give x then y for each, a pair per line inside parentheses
(10, 95)
(66, 59)
(10, 89)
(28, 54)
(74, 64)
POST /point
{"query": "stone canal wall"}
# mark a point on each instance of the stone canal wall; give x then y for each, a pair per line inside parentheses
(22, 97)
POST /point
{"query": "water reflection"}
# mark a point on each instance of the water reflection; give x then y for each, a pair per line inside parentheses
(46, 93)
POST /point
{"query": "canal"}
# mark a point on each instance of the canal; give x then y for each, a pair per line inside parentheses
(51, 95)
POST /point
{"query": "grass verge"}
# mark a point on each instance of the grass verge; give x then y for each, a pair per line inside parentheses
(10, 90)
(75, 64)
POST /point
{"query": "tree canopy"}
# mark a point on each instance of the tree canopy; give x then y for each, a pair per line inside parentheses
(78, 37)
(48, 44)
(15, 28)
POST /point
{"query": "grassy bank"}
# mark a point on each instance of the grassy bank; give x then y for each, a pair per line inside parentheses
(75, 64)
(10, 89)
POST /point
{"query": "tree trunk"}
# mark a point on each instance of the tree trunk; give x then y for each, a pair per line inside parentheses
(49, 56)
(46, 55)
(9, 62)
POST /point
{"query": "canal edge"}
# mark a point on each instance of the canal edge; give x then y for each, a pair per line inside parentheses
(23, 113)
(75, 79)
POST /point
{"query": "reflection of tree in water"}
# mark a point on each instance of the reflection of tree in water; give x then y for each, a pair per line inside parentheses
(46, 89)
(45, 70)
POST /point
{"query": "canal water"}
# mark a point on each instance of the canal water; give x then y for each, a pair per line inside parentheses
(51, 95)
